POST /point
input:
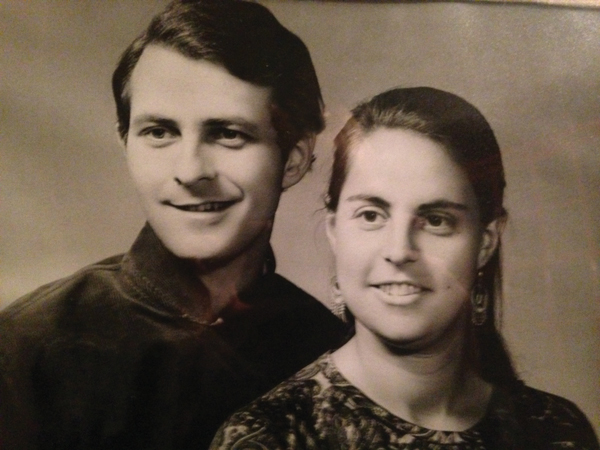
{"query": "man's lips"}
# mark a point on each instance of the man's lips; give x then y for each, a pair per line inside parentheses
(210, 206)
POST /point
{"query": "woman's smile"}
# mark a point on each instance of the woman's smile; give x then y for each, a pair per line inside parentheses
(399, 293)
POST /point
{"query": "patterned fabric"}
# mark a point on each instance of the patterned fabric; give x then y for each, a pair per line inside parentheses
(319, 409)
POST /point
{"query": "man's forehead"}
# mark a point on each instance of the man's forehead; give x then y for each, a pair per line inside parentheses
(158, 59)
(167, 84)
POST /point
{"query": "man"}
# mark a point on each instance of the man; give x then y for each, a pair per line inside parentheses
(218, 107)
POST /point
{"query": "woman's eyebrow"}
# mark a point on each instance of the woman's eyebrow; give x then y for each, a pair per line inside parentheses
(373, 199)
(442, 204)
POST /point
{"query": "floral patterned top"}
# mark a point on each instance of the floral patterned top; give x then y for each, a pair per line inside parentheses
(319, 409)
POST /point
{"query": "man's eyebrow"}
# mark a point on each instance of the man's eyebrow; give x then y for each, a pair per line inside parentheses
(151, 118)
(442, 204)
(373, 199)
(247, 126)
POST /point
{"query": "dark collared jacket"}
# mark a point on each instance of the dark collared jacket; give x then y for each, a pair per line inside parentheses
(118, 356)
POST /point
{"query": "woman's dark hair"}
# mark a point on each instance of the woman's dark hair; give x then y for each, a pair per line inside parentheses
(250, 43)
(467, 136)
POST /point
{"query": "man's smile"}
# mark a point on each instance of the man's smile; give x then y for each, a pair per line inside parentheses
(211, 206)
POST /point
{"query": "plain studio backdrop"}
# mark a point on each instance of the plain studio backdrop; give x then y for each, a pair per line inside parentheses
(534, 72)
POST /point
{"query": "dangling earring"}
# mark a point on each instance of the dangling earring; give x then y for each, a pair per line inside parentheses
(338, 306)
(479, 302)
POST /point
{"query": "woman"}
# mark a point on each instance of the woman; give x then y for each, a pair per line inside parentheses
(415, 217)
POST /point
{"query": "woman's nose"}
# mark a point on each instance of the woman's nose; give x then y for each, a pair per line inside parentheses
(194, 163)
(401, 247)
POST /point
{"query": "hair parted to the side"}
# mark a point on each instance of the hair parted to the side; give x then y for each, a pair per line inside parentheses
(470, 141)
(250, 43)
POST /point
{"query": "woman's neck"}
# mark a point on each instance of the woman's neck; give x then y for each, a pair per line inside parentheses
(436, 389)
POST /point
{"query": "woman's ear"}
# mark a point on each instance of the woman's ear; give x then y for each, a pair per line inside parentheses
(298, 161)
(330, 229)
(490, 240)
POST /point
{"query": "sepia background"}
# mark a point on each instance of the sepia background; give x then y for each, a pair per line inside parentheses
(534, 71)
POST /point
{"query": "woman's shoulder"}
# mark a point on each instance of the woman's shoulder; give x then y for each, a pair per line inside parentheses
(543, 420)
(282, 416)
(546, 407)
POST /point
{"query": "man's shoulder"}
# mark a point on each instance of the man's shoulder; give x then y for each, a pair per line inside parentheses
(47, 301)
(297, 297)
(302, 307)
(60, 323)
(283, 287)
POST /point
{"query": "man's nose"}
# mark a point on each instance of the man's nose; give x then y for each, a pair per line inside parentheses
(194, 163)
(401, 246)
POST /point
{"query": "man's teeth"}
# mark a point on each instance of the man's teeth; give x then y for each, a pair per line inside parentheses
(399, 289)
(206, 207)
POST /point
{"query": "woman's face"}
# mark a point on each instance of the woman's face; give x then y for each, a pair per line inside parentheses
(407, 240)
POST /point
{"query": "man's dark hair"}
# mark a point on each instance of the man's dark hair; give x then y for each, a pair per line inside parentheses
(250, 43)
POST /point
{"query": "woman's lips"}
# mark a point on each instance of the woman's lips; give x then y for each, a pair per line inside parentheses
(399, 294)
(399, 289)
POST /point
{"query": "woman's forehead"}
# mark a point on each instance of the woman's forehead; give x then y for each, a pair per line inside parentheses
(400, 163)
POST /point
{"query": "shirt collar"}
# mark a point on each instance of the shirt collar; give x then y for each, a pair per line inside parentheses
(170, 284)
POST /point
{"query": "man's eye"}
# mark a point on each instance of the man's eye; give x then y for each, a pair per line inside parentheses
(229, 137)
(157, 135)
(369, 216)
(226, 133)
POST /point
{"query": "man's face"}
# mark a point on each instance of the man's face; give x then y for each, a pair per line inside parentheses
(203, 156)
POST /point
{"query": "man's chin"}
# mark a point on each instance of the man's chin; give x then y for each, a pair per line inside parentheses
(214, 246)
(198, 251)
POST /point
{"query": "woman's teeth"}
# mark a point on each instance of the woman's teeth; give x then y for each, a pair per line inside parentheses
(399, 289)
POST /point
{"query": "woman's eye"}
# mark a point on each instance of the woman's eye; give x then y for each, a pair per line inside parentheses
(435, 221)
(370, 219)
(438, 224)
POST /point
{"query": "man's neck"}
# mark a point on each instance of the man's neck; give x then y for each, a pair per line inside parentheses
(225, 280)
